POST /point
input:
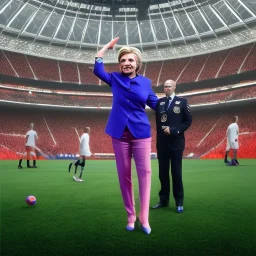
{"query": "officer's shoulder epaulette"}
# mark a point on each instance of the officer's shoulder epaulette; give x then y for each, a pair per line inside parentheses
(180, 98)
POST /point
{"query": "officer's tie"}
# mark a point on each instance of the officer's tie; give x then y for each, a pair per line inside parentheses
(167, 101)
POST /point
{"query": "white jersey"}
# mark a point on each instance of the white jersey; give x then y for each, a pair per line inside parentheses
(232, 136)
(31, 141)
(84, 145)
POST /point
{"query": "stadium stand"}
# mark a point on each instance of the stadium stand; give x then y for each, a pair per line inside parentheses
(152, 70)
(56, 135)
(250, 61)
(86, 74)
(59, 136)
(5, 66)
(202, 67)
(172, 68)
(234, 60)
(193, 69)
(99, 101)
(54, 99)
(44, 69)
(69, 72)
(213, 65)
(20, 64)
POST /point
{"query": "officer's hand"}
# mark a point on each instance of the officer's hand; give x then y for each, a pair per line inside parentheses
(167, 130)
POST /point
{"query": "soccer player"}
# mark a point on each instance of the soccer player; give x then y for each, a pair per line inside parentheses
(31, 138)
(232, 141)
(84, 152)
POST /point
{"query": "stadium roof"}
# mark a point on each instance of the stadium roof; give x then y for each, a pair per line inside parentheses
(141, 23)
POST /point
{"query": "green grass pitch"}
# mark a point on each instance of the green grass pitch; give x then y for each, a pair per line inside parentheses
(88, 218)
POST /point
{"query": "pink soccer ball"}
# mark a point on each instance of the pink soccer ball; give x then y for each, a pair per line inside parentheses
(31, 200)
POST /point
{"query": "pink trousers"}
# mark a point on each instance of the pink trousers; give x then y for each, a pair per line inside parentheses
(140, 149)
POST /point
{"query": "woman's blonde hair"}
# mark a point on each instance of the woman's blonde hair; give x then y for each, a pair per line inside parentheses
(129, 49)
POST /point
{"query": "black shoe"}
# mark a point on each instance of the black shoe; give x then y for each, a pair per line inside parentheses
(34, 166)
(19, 167)
(29, 166)
(160, 205)
(69, 167)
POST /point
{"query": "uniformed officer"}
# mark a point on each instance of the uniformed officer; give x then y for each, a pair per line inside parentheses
(172, 119)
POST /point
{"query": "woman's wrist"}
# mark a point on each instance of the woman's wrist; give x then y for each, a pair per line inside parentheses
(102, 51)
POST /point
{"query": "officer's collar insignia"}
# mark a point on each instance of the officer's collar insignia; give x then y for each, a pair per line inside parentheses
(177, 102)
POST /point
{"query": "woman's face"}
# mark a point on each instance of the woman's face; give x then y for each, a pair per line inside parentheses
(128, 64)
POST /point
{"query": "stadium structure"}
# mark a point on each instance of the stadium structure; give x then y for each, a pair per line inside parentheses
(47, 51)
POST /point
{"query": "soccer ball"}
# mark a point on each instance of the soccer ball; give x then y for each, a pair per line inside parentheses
(31, 200)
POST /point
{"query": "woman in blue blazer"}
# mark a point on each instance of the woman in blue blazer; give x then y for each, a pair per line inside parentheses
(129, 127)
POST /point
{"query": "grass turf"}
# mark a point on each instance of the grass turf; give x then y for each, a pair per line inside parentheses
(88, 218)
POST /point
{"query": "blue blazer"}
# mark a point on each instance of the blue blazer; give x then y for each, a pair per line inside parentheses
(130, 97)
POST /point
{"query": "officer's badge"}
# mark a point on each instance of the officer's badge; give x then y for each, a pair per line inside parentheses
(176, 110)
(177, 102)
(162, 103)
(163, 118)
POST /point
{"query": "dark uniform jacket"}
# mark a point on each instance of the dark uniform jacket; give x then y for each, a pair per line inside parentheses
(177, 117)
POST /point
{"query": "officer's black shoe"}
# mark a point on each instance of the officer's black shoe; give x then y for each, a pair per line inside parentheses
(34, 166)
(160, 205)
(19, 167)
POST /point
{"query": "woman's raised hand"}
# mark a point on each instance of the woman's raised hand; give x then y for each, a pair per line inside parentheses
(109, 45)
(112, 43)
